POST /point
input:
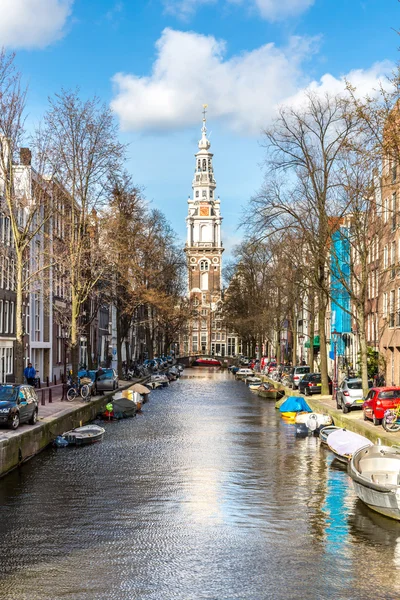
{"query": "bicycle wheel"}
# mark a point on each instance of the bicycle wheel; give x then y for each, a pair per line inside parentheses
(71, 394)
(391, 426)
(85, 391)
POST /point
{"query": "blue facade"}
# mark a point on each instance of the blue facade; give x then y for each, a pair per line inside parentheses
(340, 299)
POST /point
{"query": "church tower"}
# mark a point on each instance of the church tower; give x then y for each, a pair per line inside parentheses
(204, 255)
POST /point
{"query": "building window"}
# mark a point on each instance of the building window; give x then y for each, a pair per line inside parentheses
(394, 208)
(194, 343)
(11, 317)
(6, 316)
(204, 281)
(197, 193)
(385, 257)
(1, 316)
(211, 193)
(204, 164)
(385, 210)
(393, 260)
(385, 304)
(204, 265)
(204, 193)
(391, 309)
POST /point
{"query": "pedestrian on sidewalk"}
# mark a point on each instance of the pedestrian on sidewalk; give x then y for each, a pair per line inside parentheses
(30, 374)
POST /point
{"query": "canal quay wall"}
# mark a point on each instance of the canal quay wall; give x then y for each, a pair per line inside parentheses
(353, 420)
(16, 447)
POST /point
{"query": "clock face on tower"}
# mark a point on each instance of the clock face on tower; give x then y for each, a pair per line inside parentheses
(204, 211)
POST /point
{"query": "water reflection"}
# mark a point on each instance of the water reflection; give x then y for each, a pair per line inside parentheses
(208, 495)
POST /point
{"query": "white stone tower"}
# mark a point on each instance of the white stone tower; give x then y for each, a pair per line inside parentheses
(204, 253)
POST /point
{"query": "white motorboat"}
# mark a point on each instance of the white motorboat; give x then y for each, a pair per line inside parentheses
(375, 472)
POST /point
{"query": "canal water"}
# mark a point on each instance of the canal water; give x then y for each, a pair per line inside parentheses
(206, 495)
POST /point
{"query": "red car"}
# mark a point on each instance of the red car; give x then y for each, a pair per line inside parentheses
(379, 399)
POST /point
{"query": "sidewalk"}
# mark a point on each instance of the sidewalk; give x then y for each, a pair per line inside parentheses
(353, 420)
(58, 408)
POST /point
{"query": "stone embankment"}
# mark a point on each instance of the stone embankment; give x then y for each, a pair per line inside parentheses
(54, 419)
(353, 421)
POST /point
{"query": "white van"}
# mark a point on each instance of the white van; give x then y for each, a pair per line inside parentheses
(297, 374)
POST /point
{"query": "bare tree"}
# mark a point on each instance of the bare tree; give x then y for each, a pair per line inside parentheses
(27, 203)
(303, 147)
(81, 147)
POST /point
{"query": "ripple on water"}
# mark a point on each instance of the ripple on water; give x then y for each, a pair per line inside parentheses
(206, 495)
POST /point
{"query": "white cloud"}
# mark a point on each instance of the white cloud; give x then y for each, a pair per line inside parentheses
(275, 10)
(365, 82)
(190, 70)
(271, 10)
(243, 91)
(32, 23)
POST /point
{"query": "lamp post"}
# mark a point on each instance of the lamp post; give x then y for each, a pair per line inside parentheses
(335, 337)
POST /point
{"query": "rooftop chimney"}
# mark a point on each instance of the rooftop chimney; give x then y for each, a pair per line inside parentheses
(25, 157)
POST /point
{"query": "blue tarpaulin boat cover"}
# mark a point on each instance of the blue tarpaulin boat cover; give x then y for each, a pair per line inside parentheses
(295, 404)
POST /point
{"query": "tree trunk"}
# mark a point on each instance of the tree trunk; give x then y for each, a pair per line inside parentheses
(74, 334)
(322, 346)
(363, 350)
(89, 348)
(294, 340)
(119, 343)
(19, 322)
(310, 356)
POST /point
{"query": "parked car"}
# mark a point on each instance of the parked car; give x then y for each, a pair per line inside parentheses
(350, 394)
(310, 384)
(106, 381)
(379, 399)
(18, 404)
(296, 375)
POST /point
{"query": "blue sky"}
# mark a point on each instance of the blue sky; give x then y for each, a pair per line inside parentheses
(158, 61)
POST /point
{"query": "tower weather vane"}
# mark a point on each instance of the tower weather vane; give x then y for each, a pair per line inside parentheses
(205, 106)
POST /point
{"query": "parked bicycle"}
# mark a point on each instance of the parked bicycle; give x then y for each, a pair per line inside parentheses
(391, 419)
(79, 390)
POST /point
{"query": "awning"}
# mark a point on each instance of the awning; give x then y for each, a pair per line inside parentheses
(315, 343)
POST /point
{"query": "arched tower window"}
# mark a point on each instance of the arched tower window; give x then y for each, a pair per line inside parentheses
(204, 281)
(204, 265)
(199, 165)
(204, 164)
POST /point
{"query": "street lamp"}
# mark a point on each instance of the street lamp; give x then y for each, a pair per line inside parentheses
(335, 337)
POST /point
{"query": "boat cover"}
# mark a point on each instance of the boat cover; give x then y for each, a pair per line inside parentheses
(295, 404)
(345, 443)
(124, 407)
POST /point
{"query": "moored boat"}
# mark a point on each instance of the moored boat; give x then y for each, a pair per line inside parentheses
(344, 444)
(375, 472)
(81, 436)
(206, 362)
(326, 431)
(292, 406)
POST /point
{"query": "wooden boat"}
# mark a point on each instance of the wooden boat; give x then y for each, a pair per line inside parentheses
(206, 362)
(375, 472)
(268, 391)
(325, 431)
(344, 444)
(81, 436)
